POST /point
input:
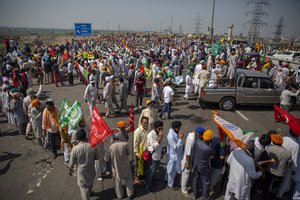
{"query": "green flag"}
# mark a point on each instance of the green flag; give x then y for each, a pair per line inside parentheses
(64, 109)
(74, 115)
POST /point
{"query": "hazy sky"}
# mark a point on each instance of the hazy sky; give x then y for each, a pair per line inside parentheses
(141, 15)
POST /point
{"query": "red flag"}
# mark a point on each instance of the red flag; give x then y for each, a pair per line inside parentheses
(283, 116)
(131, 118)
(99, 129)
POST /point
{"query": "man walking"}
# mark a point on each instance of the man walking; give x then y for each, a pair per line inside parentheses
(168, 94)
(83, 156)
(90, 95)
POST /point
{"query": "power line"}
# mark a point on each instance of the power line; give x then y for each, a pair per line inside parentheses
(256, 22)
(278, 32)
(197, 24)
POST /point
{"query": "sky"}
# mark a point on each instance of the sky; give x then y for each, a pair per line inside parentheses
(147, 15)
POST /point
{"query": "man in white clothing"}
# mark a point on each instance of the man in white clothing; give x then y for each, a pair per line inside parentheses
(285, 98)
(154, 146)
(168, 94)
(186, 161)
(90, 95)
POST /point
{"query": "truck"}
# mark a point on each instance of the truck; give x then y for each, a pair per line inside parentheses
(251, 87)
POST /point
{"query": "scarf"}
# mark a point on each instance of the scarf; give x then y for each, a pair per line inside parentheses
(47, 116)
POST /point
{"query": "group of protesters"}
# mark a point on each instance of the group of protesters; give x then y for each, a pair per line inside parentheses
(130, 62)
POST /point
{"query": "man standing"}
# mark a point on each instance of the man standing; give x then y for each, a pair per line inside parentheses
(186, 161)
(242, 170)
(174, 153)
(84, 156)
(276, 171)
(155, 92)
(107, 96)
(118, 153)
(168, 94)
(90, 95)
(16, 107)
(202, 152)
(149, 112)
(123, 89)
(140, 143)
(154, 146)
(140, 86)
(70, 68)
(232, 67)
(50, 125)
(285, 98)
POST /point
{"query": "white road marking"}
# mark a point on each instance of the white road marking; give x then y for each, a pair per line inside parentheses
(243, 116)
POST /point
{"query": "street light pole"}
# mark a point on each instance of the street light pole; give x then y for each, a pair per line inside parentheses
(212, 21)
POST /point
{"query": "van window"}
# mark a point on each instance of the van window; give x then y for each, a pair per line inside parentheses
(266, 83)
(250, 82)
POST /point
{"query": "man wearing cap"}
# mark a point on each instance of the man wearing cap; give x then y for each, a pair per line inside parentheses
(174, 153)
(223, 72)
(36, 116)
(149, 112)
(84, 156)
(168, 94)
(186, 161)
(276, 171)
(201, 154)
(16, 107)
(123, 89)
(154, 146)
(107, 96)
(50, 125)
(117, 154)
(90, 95)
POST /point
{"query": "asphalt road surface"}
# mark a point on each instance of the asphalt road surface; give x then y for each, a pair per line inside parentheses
(27, 171)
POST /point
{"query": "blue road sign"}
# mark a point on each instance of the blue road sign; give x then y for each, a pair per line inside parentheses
(83, 29)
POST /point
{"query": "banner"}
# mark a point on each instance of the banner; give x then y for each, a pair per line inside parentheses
(177, 80)
(64, 109)
(74, 115)
(83, 72)
(283, 116)
(99, 129)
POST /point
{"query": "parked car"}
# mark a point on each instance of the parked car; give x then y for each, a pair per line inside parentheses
(288, 56)
(251, 87)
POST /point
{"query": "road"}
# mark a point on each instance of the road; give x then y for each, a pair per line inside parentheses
(28, 172)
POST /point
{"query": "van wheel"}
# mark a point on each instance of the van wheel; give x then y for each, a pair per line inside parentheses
(227, 103)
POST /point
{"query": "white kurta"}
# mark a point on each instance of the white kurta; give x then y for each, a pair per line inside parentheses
(242, 169)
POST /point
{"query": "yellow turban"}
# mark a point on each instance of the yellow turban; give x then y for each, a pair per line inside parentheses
(148, 102)
(34, 102)
(121, 124)
(207, 135)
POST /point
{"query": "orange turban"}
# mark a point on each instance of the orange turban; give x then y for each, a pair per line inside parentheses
(277, 139)
(34, 102)
(121, 124)
(222, 62)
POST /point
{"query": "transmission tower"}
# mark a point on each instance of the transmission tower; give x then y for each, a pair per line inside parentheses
(278, 32)
(180, 29)
(257, 14)
(197, 24)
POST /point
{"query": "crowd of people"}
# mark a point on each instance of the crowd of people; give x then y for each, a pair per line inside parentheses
(148, 66)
